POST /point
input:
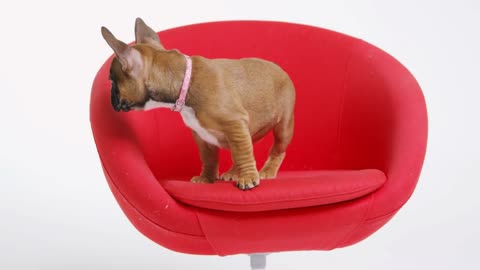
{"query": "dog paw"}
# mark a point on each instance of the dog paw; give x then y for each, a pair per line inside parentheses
(248, 181)
(231, 175)
(267, 173)
(201, 180)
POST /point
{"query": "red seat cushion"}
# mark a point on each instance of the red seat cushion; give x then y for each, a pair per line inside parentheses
(292, 189)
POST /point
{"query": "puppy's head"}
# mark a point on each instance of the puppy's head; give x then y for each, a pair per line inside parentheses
(128, 72)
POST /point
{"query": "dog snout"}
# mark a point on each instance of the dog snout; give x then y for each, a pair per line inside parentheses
(116, 105)
(119, 104)
(115, 101)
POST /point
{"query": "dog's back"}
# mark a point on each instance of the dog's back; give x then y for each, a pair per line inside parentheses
(261, 87)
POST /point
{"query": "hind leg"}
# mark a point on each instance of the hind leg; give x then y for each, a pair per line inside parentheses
(282, 133)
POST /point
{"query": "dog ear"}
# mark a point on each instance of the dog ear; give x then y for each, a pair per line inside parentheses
(145, 34)
(129, 58)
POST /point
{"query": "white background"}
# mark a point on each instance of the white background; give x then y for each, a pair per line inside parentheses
(56, 211)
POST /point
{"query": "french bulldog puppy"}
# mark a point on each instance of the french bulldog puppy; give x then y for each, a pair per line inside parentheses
(227, 103)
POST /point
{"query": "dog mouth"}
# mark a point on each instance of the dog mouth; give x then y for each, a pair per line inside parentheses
(123, 107)
(118, 103)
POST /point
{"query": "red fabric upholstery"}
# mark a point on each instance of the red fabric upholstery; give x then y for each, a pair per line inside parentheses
(286, 192)
(357, 108)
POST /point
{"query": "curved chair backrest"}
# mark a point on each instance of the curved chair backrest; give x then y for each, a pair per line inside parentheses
(348, 94)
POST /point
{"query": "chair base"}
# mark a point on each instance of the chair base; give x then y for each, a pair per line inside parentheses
(258, 261)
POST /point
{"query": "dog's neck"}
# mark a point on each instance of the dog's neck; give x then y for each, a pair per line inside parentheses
(165, 76)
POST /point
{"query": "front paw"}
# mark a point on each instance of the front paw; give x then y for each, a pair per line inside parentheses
(201, 180)
(232, 174)
(248, 181)
(268, 173)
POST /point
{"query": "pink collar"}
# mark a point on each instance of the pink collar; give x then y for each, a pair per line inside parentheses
(185, 85)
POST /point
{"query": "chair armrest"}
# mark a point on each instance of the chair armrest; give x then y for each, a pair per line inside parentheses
(126, 168)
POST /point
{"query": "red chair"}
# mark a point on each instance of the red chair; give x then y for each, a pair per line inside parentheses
(358, 149)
